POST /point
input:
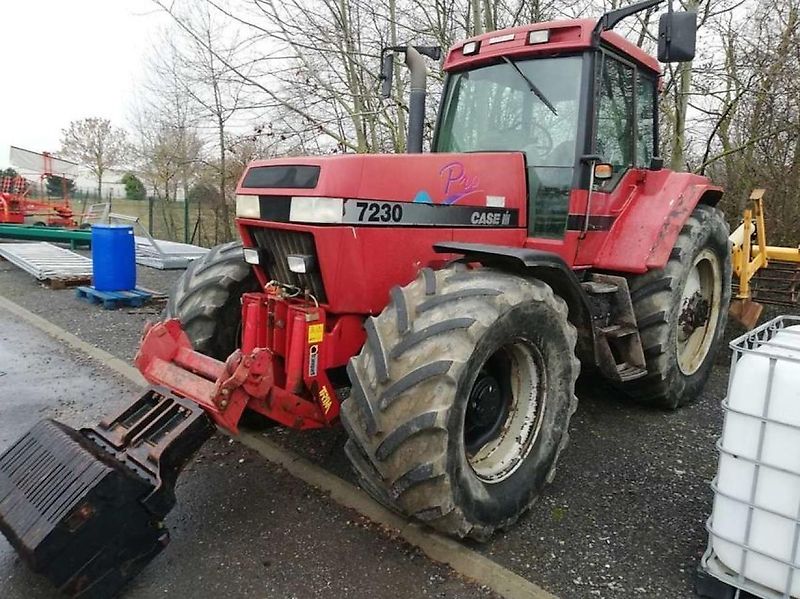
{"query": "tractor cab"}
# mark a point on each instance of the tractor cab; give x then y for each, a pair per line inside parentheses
(532, 105)
(578, 100)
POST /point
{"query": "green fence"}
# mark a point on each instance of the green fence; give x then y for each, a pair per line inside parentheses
(199, 223)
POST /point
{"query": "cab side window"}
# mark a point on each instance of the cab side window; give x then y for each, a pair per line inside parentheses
(645, 120)
(615, 115)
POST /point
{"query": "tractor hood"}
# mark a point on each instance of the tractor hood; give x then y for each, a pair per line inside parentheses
(362, 224)
(495, 180)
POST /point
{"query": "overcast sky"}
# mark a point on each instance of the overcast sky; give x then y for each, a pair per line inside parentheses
(69, 59)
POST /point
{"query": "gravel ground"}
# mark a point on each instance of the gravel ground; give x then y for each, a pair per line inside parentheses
(625, 515)
(116, 331)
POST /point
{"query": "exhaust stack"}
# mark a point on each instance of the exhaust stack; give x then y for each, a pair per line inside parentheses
(419, 76)
(416, 104)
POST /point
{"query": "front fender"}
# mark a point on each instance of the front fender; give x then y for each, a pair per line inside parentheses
(643, 236)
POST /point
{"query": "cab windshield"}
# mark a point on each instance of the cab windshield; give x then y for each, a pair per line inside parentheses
(493, 108)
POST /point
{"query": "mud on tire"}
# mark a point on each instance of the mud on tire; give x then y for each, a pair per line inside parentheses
(207, 299)
(677, 377)
(413, 415)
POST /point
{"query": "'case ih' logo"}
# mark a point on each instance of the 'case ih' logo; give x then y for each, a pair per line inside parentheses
(490, 219)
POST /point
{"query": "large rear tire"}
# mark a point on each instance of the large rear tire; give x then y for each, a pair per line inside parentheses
(681, 311)
(207, 299)
(462, 397)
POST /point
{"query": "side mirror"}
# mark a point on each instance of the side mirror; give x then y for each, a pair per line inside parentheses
(387, 71)
(677, 36)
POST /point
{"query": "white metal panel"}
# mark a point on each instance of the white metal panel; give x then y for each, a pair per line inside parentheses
(46, 261)
(29, 162)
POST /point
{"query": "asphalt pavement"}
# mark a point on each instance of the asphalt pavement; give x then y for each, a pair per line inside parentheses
(242, 526)
(624, 517)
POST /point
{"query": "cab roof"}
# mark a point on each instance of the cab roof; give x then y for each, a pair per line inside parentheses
(565, 36)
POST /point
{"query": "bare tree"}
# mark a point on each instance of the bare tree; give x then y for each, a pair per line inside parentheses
(212, 82)
(308, 75)
(757, 142)
(168, 105)
(97, 144)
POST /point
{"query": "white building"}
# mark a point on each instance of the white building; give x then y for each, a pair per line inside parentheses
(113, 188)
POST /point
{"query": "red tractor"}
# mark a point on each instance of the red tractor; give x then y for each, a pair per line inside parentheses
(438, 305)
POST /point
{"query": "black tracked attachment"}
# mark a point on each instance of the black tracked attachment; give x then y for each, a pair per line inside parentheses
(85, 509)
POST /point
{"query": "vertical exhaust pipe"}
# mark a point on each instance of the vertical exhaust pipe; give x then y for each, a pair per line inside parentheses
(416, 104)
(419, 75)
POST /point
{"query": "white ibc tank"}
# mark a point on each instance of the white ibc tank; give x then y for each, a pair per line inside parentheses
(754, 525)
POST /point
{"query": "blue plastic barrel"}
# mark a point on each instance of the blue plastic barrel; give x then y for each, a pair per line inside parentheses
(113, 258)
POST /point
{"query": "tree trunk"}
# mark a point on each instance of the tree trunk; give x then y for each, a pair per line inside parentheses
(400, 138)
(477, 21)
(682, 88)
(488, 15)
(223, 192)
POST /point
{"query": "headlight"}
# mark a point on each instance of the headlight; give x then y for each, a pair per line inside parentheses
(251, 255)
(248, 206)
(470, 48)
(316, 210)
(300, 263)
(540, 36)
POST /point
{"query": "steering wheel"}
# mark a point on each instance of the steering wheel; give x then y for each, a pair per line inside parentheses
(544, 141)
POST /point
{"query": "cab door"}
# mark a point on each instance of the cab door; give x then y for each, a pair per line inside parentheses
(625, 136)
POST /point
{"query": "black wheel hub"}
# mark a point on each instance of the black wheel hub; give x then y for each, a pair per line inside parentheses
(694, 314)
(487, 410)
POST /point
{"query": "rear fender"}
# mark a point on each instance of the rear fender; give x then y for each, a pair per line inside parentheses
(644, 234)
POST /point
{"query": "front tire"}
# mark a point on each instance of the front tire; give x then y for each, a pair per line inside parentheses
(462, 397)
(207, 299)
(681, 311)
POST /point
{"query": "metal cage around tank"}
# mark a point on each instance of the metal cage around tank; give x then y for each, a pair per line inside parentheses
(759, 342)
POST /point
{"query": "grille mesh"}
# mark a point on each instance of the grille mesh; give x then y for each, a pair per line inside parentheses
(278, 244)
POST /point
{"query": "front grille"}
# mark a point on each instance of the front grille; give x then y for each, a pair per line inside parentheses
(279, 243)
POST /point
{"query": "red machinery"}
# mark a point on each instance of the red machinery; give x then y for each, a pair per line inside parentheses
(16, 206)
(12, 191)
(16, 203)
(439, 305)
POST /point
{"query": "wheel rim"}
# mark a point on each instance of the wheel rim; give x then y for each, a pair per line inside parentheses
(699, 312)
(504, 411)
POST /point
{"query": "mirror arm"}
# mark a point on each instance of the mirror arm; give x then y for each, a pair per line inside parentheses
(610, 19)
(387, 63)
(668, 35)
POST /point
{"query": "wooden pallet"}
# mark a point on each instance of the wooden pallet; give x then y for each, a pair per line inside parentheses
(112, 300)
(56, 283)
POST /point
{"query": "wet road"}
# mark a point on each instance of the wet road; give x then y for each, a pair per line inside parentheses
(242, 528)
(624, 517)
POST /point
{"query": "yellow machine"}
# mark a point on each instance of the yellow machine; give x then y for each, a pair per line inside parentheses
(780, 284)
